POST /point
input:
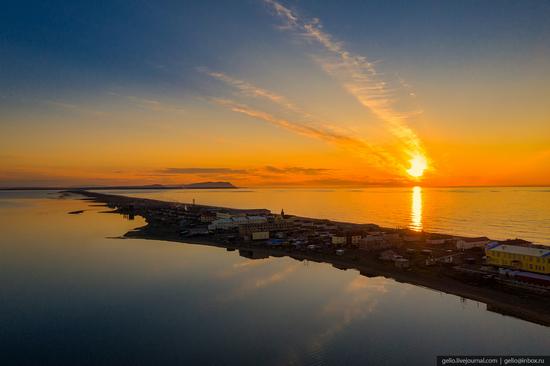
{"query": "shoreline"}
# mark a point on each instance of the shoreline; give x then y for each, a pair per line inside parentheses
(530, 307)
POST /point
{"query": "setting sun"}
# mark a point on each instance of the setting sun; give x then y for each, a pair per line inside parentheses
(418, 165)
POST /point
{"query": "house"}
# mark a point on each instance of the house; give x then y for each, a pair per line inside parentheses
(392, 236)
(338, 239)
(469, 243)
(234, 222)
(264, 225)
(531, 259)
(207, 217)
(388, 255)
(198, 231)
(227, 215)
(260, 235)
(375, 243)
(411, 238)
(402, 263)
(253, 254)
(435, 240)
(275, 242)
(354, 239)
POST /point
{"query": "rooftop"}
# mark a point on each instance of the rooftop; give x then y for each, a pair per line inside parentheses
(481, 238)
(515, 249)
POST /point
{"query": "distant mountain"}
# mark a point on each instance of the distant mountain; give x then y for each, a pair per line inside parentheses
(209, 185)
(200, 185)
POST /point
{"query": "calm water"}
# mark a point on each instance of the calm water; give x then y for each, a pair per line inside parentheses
(499, 213)
(71, 295)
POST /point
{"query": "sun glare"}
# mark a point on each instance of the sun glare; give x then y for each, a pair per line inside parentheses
(418, 165)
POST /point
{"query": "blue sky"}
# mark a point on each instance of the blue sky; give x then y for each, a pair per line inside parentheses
(64, 43)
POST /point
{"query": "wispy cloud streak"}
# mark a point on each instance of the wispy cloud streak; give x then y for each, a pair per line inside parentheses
(358, 75)
(254, 91)
(366, 150)
(315, 128)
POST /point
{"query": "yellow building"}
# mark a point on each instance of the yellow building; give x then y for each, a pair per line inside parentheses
(518, 257)
(339, 240)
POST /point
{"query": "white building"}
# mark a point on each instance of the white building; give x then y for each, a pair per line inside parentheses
(228, 215)
(469, 243)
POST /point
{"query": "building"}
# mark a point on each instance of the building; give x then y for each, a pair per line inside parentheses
(435, 240)
(530, 259)
(388, 255)
(208, 217)
(269, 226)
(347, 238)
(469, 243)
(260, 235)
(354, 239)
(228, 215)
(402, 263)
(412, 238)
(392, 236)
(338, 239)
(375, 242)
(234, 222)
(253, 254)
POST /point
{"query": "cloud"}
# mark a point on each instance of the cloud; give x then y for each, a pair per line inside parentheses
(321, 129)
(323, 133)
(251, 90)
(358, 76)
(256, 281)
(296, 170)
(155, 105)
(202, 171)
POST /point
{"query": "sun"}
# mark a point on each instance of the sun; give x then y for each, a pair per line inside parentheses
(418, 165)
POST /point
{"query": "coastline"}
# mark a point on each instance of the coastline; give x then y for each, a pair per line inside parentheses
(526, 306)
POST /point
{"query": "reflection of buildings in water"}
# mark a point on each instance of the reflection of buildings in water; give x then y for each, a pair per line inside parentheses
(513, 312)
(416, 209)
(129, 216)
(251, 254)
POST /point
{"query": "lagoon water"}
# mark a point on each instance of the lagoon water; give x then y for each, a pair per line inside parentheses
(73, 294)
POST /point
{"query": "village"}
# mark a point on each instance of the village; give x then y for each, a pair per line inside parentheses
(515, 264)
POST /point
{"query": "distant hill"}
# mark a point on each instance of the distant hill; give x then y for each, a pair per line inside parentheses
(209, 185)
(200, 185)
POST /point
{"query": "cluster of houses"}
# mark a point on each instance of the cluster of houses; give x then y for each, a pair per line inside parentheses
(516, 257)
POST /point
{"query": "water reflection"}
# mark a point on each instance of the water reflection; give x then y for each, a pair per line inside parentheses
(416, 209)
(91, 290)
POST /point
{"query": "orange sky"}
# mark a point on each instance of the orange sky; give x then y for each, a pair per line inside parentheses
(315, 108)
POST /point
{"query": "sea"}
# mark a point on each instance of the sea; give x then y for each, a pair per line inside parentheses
(73, 292)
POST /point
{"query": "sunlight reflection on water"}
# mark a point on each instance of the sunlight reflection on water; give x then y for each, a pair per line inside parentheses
(416, 209)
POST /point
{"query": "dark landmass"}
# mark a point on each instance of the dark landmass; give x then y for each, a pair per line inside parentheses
(214, 185)
(201, 185)
(467, 278)
(76, 212)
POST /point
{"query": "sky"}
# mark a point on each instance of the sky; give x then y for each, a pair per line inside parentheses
(275, 93)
